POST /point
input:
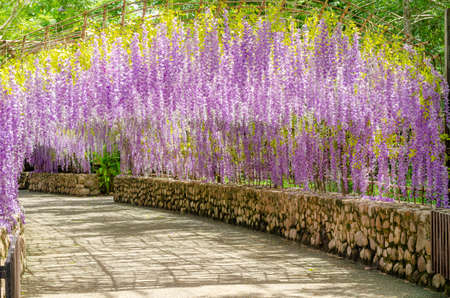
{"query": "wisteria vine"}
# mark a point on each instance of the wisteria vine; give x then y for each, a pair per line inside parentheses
(240, 104)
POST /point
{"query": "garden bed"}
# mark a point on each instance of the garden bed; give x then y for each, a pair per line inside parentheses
(394, 237)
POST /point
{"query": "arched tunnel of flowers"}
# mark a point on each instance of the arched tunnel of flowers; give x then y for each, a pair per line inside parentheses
(231, 99)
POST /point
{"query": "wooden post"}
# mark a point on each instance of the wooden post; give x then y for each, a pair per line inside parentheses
(124, 8)
(105, 16)
(447, 77)
(83, 29)
(144, 10)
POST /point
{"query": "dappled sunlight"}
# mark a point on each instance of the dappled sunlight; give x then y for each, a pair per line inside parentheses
(82, 245)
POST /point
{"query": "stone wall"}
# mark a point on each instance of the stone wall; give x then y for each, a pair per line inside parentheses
(70, 184)
(24, 180)
(394, 237)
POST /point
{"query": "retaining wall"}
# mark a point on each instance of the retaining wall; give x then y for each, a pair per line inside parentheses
(24, 180)
(61, 183)
(394, 237)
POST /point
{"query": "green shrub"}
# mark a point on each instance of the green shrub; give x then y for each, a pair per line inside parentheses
(107, 166)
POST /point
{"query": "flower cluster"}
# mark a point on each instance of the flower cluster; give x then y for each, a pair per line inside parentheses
(227, 103)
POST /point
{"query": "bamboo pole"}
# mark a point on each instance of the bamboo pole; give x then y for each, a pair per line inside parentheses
(241, 3)
(262, 7)
(341, 18)
(83, 29)
(322, 9)
(200, 6)
(45, 37)
(144, 9)
(407, 19)
(124, 8)
(363, 27)
(23, 44)
(105, 17)
(447, 76)
(219, 7)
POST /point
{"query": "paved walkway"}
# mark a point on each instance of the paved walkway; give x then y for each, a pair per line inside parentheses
(93, 247)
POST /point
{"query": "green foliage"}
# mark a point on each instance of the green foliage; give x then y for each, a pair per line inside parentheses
(33, 15)
(375, 43)
(372, 43)
(426, 16)
(426, 20)
(107, 166)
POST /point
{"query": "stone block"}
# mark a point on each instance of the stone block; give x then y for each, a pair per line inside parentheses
(332, 244)
(365, 221)
(421, 264)
(408, 270)
(397, 235)
(361, 239)
(438, 281)
(373, 244)
(421, 239)
(412, 243)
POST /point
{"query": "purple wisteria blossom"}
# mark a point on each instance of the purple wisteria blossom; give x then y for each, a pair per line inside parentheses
(258, 105)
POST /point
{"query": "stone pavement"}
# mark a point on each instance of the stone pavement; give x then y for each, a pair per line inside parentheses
(93, 247)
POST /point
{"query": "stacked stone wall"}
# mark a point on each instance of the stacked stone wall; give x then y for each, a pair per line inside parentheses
(24, 180)
(62, 183)
(394, 237)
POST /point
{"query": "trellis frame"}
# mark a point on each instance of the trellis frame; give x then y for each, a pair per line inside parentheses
(75, 28)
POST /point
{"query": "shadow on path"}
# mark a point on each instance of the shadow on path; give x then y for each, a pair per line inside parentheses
(97, 248)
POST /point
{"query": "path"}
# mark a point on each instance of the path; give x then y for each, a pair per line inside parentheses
(93, 247)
